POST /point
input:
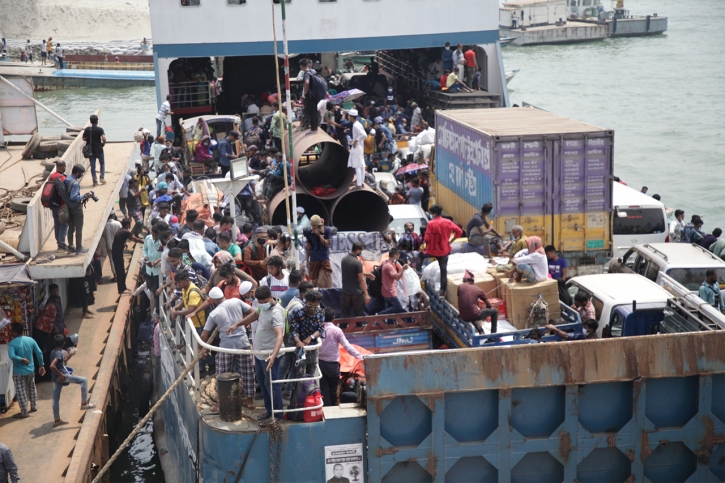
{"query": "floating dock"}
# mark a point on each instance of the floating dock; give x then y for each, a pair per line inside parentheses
(571, 32)
(48, 78)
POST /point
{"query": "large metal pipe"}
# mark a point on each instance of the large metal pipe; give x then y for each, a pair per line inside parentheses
(330, 168)
(311, 204)
(360, 209)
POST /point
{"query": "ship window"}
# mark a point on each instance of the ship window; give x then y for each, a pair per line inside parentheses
(190, 3)
(236, 2)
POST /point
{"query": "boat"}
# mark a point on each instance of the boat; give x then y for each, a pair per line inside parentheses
(511, 74)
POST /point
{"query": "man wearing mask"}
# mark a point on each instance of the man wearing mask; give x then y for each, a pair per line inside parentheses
(267, 338)
(60, 229)
(392, 271)
(447, 57)
(306, 326)
(255, 255)
(277, 278)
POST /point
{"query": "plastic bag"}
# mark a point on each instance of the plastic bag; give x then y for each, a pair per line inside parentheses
(411, 282)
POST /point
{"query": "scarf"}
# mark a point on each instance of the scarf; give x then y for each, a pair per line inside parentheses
(534, 244)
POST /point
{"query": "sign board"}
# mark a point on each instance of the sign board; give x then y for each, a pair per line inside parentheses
(17, 113)
(344, 463)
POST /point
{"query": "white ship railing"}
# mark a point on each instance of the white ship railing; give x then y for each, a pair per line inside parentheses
(184, 334)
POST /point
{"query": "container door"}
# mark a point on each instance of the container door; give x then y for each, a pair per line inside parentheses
(582, 195)
(523, 186)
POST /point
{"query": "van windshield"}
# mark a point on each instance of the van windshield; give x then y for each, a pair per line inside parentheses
(640, 221)
(692, 278)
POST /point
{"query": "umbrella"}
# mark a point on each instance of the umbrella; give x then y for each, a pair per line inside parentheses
(346, 96)
(411, 169)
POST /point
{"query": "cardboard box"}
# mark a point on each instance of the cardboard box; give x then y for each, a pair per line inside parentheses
(519, 295)
(482, 280)
(500, 278)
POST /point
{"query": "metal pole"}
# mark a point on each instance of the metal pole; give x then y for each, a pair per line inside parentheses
(37, 102)
(289, 131)
(280, 112)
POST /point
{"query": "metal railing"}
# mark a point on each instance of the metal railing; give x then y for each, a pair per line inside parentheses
(192, 94)
(185, 335)
(400, 68)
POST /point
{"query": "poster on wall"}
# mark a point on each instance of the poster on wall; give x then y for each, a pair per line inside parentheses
(344, 463)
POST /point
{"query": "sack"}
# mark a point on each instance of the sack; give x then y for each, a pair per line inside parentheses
(313, 415)
(538, 314)
(411, 282)
(63, 214)
(318, 86)
(138, 136)
(375, 286)
(50, 197)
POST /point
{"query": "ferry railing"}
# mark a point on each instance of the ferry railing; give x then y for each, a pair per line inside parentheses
(189, 95)
(185, 334)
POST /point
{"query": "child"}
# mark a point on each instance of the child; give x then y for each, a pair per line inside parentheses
(61, 377)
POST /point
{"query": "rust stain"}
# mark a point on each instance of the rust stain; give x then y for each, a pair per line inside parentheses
(630, 455)
(431, 466)
(386, 451)
(565, 446)
(644, 446)
(612, 440)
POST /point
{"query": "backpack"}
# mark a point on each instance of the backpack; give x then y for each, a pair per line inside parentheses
(375, 287)
(308, 389)
(203, 297)
(318, 85)
(50, 197)
(253, 137)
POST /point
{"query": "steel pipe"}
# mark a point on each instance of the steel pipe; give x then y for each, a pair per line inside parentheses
(311, 204)
(360, 209)
(329, 169)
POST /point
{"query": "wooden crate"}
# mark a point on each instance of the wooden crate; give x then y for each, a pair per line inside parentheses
(519, 295)
(482, 280)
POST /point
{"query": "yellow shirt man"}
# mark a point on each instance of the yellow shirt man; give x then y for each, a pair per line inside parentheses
(192, 298)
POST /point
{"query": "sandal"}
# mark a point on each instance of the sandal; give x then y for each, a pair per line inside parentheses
(103, 181)
(21, 416)
(60, 422)
(87, 406)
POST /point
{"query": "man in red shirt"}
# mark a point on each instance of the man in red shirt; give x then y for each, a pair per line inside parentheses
(392, 272)
(60, 229)
(439, 234)
(471, 65)
(470, 299)
(444, 79)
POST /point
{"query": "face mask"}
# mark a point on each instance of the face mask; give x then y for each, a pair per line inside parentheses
(390, 90)
(265, 306)
(261, 241)
(408, 230)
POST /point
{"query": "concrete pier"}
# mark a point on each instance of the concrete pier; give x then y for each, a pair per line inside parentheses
(571, 32)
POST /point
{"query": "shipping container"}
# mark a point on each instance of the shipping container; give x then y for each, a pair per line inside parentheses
(548, 173)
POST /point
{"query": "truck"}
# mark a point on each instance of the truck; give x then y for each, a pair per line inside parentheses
(550, 174)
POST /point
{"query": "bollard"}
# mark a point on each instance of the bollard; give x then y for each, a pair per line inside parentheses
(229, 394)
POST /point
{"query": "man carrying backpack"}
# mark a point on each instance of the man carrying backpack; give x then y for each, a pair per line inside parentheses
(50, 198)
(75, 208)
(307, 325)
(314, 90)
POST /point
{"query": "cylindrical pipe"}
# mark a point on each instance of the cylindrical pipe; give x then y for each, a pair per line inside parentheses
(229, 394)
(360, 210)
(330, 168)
(311, 204)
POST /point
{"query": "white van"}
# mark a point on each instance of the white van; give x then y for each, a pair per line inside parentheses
(637, 219)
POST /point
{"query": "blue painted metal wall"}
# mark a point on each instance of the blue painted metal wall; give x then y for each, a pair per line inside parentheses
(533, 417)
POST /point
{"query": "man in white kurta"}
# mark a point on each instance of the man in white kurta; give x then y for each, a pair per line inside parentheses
(357, 154)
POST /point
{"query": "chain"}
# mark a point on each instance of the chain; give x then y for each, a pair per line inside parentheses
(275, 436)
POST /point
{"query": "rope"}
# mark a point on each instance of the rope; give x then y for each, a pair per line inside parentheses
(151, 412)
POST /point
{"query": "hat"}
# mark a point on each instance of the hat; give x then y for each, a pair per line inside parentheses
(235, 134)
(372, 132)
(300, 210)
(316, 220)
(216, 293)
(174, 219)
(162, 186)
(467, 275)
(245, 287)
(352, 112)
(378, 120)
(137, 162)
(260, 230)
(413, 104)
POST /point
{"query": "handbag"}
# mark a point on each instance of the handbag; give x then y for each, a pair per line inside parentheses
(88, 148)
(63, 214)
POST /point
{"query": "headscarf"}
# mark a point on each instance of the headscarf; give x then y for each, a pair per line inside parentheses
(534, 244)
(223, 256)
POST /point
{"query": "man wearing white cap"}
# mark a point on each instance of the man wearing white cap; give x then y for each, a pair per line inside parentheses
(357, 154)
(226, 313)
(303, 222)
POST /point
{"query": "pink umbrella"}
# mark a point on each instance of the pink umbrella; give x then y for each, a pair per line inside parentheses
(411, 169)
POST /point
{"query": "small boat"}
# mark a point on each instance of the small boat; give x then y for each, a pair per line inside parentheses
(505, 41)
(510, 75)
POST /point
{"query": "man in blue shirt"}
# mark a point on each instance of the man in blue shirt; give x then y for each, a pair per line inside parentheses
(21, 350)
(710, 290)
(226, 151)
(387, 145)
(447, 57)
(557, 265)
(75, 209)
(319, 239)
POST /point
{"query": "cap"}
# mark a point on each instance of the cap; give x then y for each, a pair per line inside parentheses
(162, 186)
(413, 104)
(372, 103)
(235, 134)
(245, 287)
(352, 112)
(174, 219)
(378, 120)
(216, 293)
(372, 132)
(300, 210)
(316, 220)
(260, 230)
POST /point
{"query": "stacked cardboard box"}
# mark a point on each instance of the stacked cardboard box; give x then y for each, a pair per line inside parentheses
(482, 280)
(519, 295)
(500, 278)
